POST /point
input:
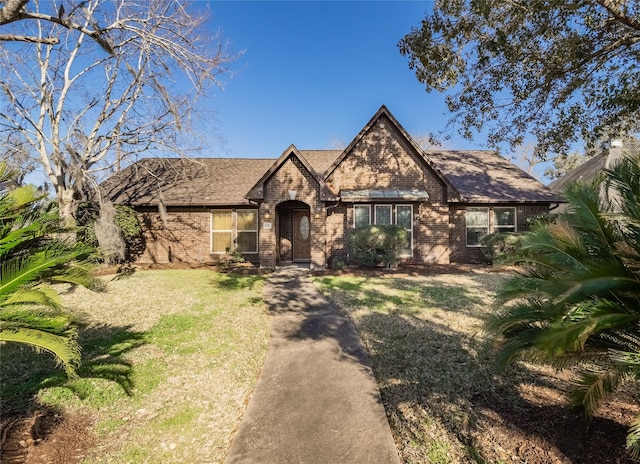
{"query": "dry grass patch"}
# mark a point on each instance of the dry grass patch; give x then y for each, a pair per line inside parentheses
(435, 369)
(170, 358)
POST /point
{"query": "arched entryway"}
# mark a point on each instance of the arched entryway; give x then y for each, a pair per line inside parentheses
(294, 231)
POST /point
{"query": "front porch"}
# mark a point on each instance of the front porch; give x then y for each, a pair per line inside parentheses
(292, 233)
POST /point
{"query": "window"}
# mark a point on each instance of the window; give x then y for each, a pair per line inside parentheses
(404, 218)
(247, 225)
(221, 231)
(504, 219)
(234, 230)
(383, 215)
(361, 216)
(481, 223)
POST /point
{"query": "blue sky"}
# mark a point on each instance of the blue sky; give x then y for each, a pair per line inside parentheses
(314, 72)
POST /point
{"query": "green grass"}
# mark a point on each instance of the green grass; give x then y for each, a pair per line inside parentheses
(169, 360)
(434, 363)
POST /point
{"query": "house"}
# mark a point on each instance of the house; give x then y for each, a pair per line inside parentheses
(591, 169)
(301, 206)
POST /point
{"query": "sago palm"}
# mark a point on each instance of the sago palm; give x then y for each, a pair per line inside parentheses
(577, 299)
(30, 259)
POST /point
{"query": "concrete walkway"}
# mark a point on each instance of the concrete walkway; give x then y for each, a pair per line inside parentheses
(316, 400)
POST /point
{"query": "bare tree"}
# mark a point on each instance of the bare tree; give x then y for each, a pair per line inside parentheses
(83, 107)
(17, 10)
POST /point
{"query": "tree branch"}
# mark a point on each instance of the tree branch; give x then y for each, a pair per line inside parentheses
(14, 10)
(24, 38)
(613, 7)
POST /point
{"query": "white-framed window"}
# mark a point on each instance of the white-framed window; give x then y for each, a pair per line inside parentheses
(361, 216)
(247, 228)
(383, 215)
(221, 230)
(234, 230)
(481, 221)
(404, 218)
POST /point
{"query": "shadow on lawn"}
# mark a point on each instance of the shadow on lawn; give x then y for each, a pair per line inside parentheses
(429, 371)
(24, 372)
(236, 281)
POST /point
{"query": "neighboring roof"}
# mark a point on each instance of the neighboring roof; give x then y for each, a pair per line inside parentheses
(186, 182)
(384, 194)
(484, 176)
(587, 171)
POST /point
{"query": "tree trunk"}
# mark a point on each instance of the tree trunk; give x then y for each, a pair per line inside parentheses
(68, 210)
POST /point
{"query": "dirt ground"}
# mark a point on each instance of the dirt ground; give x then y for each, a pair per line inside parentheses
(542, 429)
(42, 436)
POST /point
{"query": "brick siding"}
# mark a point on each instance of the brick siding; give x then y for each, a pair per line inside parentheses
(460, 252)
(383, 158)
(184, 238)
(292, 176)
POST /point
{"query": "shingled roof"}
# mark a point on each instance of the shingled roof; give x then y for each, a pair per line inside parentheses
(485, 177)
(186, 182)
(320, 160)
(197, 181)
(586, 172)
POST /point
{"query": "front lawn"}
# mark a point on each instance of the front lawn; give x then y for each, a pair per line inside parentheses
(169, 360)
(444, 400)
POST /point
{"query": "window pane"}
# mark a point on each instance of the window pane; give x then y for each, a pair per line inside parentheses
(221, 220)
(247, 219)
(505, 216)
(403, 216)
(361, 216)
(221, 242)
(474, 234)
(383, 214)
(247, 242)
(477, 217)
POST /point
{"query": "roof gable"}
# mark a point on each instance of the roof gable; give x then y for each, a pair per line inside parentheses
(256, 192)
(381, 113)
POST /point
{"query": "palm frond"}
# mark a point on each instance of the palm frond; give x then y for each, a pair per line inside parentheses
(633, 439)
(594, 387)
(64, 349)
(22, 271)
(40, 295)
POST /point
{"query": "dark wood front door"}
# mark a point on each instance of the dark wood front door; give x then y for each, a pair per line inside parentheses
(301, 235)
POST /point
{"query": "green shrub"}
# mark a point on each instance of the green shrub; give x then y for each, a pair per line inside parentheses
(501, 246)
(374, 245)
(126, 219)
(338, 263)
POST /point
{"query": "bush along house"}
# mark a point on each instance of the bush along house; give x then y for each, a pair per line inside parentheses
(302, 206)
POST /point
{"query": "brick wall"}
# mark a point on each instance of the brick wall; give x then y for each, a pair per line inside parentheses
(337, 227)
(460, 252)
(431, 234)
(292, 175)
(384, 159)
(184, 238)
